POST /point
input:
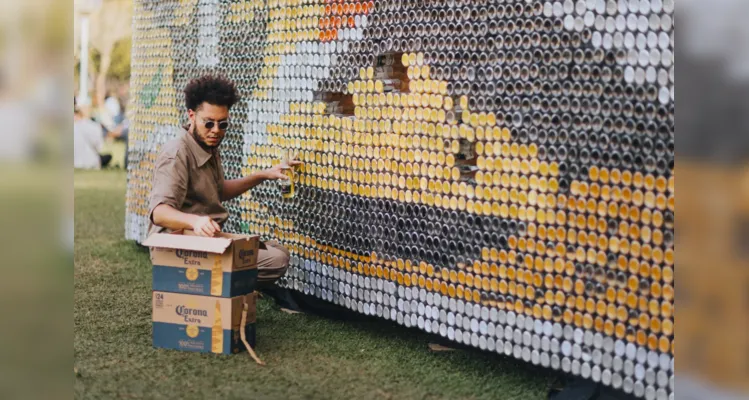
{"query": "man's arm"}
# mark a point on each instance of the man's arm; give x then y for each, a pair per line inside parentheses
(236, 187)
(168, 193)
(168, 217)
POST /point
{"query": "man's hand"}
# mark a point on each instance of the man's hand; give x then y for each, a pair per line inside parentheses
(235, 187)
(276, 172)
(169, 217)
(205, 226)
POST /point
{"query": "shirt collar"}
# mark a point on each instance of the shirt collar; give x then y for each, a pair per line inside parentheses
(201, 155)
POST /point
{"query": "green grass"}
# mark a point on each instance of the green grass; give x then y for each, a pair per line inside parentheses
(307, 356)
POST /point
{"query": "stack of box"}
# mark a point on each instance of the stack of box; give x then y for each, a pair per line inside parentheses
(200, 286)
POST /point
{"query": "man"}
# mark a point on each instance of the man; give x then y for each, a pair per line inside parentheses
(120, 133)
(87, 142)
(112, 105)
(188, 182)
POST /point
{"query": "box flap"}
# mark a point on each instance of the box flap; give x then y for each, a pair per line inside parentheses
(237, 236)
(197, 243)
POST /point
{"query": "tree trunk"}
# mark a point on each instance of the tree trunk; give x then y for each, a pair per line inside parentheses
(101, 76)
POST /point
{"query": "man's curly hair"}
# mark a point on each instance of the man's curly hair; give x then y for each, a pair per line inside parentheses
(212, 89)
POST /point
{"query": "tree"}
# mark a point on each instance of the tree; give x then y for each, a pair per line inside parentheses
(119, 69)
(110, 23)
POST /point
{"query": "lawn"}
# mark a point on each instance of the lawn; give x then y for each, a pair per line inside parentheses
(307, 356)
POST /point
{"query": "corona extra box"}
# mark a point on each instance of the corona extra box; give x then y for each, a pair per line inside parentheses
(223, 266)
(202, 323)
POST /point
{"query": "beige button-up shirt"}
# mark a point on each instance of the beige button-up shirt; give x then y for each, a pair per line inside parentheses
(188, 178)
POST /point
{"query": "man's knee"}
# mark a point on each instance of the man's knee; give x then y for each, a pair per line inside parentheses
(274, 262)
(286, 256)
(281, 261)
(281, 255)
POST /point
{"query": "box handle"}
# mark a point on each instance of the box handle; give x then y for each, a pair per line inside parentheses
(250, 351)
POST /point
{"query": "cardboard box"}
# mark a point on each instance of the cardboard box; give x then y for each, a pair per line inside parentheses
(222, 266)
(202, 323)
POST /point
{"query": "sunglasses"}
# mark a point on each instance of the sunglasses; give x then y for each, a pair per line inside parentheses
(222, 125)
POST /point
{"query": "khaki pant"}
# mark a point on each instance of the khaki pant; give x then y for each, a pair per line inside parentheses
(271, 263)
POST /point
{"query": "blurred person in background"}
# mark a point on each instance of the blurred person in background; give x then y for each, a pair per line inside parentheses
(99, 113)
(113, 107)
(117, 132)
(88, 141)
(120, 133)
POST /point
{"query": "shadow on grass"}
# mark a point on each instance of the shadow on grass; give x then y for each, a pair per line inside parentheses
(372, 329)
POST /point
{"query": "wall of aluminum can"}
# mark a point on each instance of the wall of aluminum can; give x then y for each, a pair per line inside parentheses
(496, 172)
